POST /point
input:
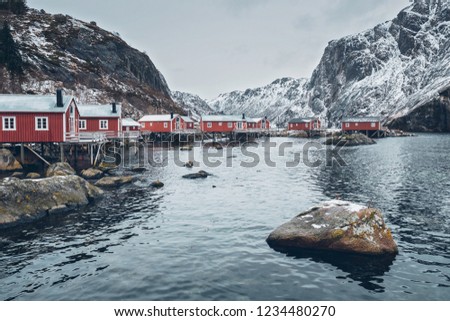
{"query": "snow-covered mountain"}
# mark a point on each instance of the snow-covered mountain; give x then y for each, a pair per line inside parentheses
(95, 65)
(192, 104)
(279, 100)
(399, 70)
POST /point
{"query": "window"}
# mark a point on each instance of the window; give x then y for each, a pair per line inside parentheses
(373, 125)
(151, 124)
(209, 125)
(220, 124)
(230, 125)
(143, 125)
(240, 125)
(9, 123)
(41, 123)
(82, 124)
(166, 125)
(307, 125)
(356, 124)
(347, 125)
(103, 124)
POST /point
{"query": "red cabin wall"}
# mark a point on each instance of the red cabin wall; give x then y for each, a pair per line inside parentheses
(25, 128)
(158, 126)
(217, 128)
(93, 124)
(300, 126)
(363, 126)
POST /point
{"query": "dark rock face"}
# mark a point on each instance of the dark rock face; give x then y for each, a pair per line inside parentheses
(84, 58)
(28, 200)
(337, 226)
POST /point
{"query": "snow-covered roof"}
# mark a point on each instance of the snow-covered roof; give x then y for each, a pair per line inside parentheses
(302, 120)
(94, 111)
(224, 118)
(129, 122)
(32, 103)
(254, 120)
(157, 118)
(187, 119)
(361, 119)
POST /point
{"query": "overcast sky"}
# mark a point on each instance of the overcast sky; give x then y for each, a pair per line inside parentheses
(209, 47)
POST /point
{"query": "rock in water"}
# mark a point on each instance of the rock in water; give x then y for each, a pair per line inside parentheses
(157, 184)
(92, 173)
(114, 181)
(33, 176)
(350, 140)
(201, 174)
(59, 169)
(8, 162)
(337, 226)
(27, 200)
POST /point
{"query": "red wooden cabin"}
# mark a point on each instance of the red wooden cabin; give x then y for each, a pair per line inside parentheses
(172, 123)
(189, 123)
(223, 124)
(366, 124)
(38, 119)
(256, 124)
(305, 124)
(101, 119)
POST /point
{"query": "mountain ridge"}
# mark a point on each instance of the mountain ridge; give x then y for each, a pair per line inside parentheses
(93, 64)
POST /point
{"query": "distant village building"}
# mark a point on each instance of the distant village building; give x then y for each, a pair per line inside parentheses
(223, 124)
(361, 124)
(258, 124)
(172, 123)
(100, 119)
(305, 124)
(38, 119)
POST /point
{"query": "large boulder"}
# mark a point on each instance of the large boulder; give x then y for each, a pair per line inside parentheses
(350, 140)
(8, 162)
(27, 200)
(92, 173)
(59, 169)
(114, 181)
(336, 226)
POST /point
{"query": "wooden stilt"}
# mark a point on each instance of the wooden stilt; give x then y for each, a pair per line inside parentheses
(22, 154)
(61, 147)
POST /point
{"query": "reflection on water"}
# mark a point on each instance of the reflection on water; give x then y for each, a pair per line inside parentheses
(205, 240)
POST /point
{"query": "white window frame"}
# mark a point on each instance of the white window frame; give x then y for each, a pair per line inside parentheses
(240, 125)
(209, 125)
(42, 120)
(220, 124)
(307, 125)
(230, 124)
(347, 125)
(80, 122)
(103, 121)
(356, 124)
(373, 125)
(7, 128)
(166, 125)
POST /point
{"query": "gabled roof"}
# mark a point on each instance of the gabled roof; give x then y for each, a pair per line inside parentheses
(95, 111)
(129, 122)
(364, 119)
(187, 119)
(303, 120)
(223, 118)
(33, 104)
(158, 118)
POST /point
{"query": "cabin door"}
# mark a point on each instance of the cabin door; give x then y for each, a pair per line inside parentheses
(177, 124)
(239, 125)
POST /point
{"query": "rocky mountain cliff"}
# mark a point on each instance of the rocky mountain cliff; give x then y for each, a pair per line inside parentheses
(399, 70)
(279, 101)
(192, 104)
(95, 65)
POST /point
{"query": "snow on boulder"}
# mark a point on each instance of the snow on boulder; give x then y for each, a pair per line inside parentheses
(336, 226)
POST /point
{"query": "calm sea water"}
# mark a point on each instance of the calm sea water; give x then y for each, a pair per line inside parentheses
(190, 241)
